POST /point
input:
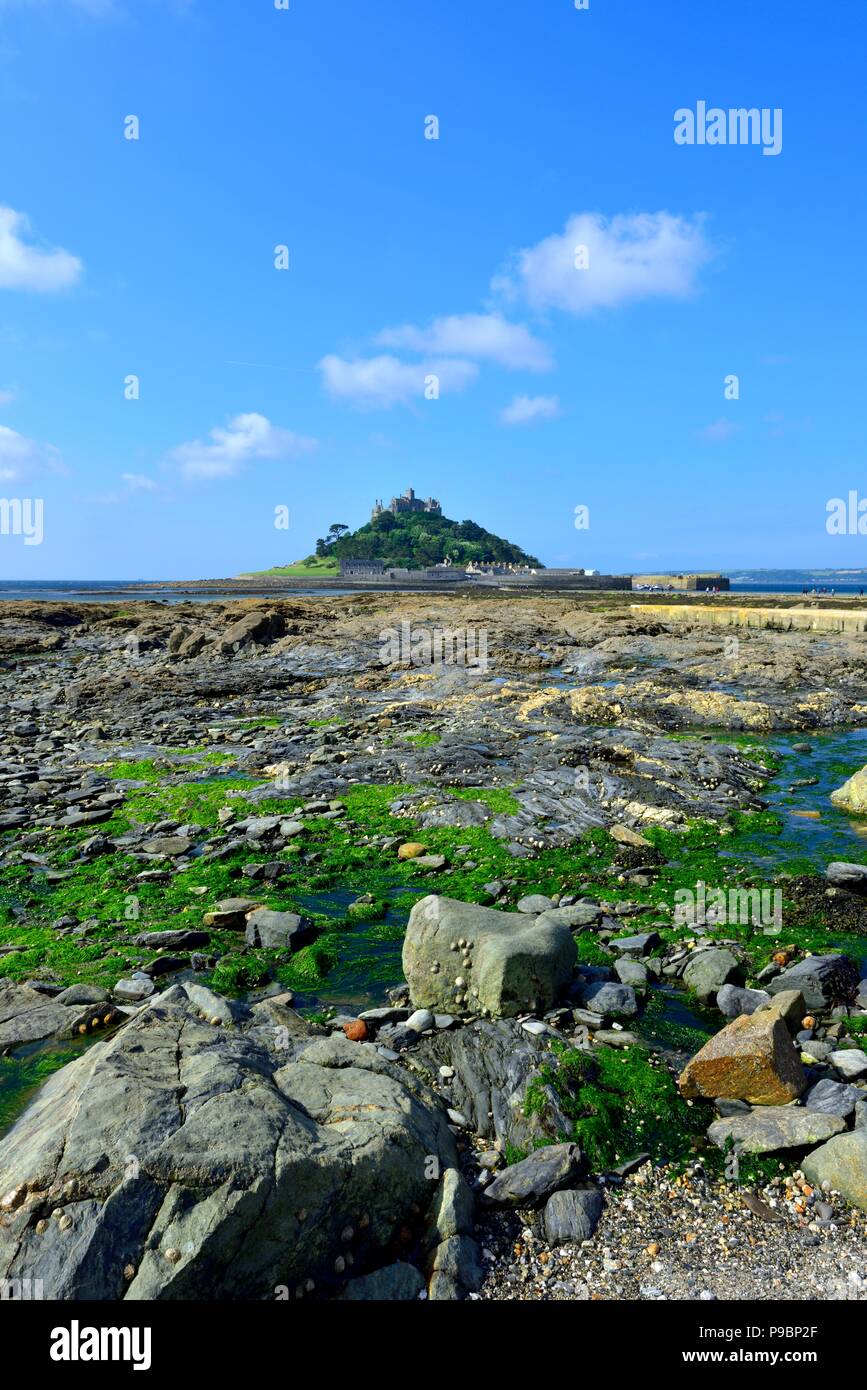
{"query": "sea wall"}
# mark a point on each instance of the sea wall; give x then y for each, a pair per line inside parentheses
(797, 619)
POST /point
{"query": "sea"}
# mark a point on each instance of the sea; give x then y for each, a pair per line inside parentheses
(116, 591)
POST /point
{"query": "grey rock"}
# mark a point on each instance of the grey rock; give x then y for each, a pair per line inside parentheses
(771, 1127)
(397, 1283)
(732, 1000)
(515, 964)
(83, 994)
(573, 1216)
(631, 972)
(420, 1020)
(842, 1163)
(707, 971)
(456, 1269)
(277, 931)
(850, 876)
(534, 1179)
(249, 1162)
(607, 998)
(132, 991)
(640, 945)
(850, 1062)
(823, 980)
(535, 903)
(832, 1098)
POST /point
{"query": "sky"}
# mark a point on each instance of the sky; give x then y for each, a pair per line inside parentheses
(264, 261)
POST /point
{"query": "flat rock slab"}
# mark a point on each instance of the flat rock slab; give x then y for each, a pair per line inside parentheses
(774, 1127)
(833, 1098)
(753, 1058)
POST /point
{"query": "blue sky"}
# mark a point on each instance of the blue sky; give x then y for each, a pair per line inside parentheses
(411, 257)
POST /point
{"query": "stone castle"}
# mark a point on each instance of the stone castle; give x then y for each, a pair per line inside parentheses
(407, 502)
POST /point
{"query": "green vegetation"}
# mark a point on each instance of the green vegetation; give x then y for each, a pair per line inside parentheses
(314, 567)
(621, 1101)
(417, 539)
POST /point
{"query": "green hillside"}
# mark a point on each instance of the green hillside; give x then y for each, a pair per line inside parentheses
(418, 539)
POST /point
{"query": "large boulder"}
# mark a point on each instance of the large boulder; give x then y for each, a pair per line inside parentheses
(753, 1058)
(775, 1127)
(823, 980)
(177, 1160)
(463, 959)
(707, 971)
(842, 1163)
(852, 796)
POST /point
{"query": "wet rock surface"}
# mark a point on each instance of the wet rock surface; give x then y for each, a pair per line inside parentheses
(171, 1159)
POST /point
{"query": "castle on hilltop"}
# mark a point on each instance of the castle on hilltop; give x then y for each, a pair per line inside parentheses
(407, 502)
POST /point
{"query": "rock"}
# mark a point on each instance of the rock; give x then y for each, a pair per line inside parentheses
(640, 945)
(832, 1098)
(733, 1001)
(842, 1164)
(535, 903)
(606, 998)
(420, 1021)
(356, 1030)
(850, 876)
(133, 990)
(575, 915)
(852, 796)
(533, 1180)
(429, 861)
(168, 846)
(631, 972)
(510, 964)
(411, 850)
(172, 940)
(625, 836)
(850, 1062)
(753, 1058)
(456, 1269)
(823, 980)
(229, 915)
(707, 971)
(571, 1217)
(789, 1005)
(397, 1283)
(278, 931)
(83, 994)
(213, 1008)
(774, 1127)
(250, 1163)
(452, 1209)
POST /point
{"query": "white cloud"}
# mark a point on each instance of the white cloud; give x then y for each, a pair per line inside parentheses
(27, 267)
(525, 409)
(139, 482)
(380, 382)
(21, 457)
(628, 258)
(486, 336)
(718, 432)
(247, 438)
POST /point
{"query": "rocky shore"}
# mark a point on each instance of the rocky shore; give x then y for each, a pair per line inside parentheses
(328, 971)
